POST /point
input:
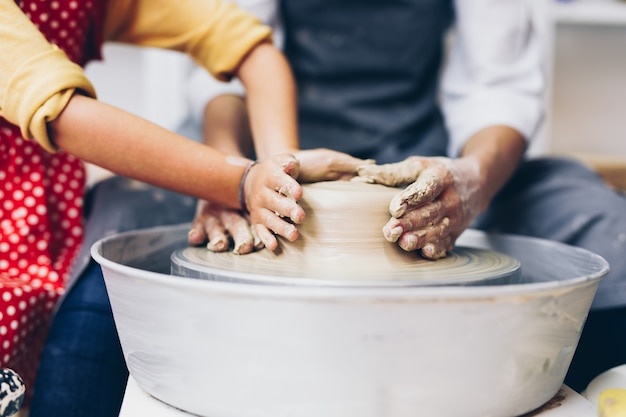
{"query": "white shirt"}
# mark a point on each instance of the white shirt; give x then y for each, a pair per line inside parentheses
(493, 74)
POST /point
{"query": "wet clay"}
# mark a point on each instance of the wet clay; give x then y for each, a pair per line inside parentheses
(397, 174)
(341, 243)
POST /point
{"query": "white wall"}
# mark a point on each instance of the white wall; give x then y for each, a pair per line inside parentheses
(147, 82)
(589, 89)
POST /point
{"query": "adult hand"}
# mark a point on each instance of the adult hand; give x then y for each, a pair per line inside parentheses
(327, 165)
(270, 196)
(441, 200)
(218, 225)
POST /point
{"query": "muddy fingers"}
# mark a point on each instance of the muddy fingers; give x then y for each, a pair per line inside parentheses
(216, 234)
(416, 219)
(394, 175)
(437, 250)
(424, 190)
(239, 230)
(437, 236)
(266, 237)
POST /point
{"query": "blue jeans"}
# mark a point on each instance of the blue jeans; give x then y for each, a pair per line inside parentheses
(82, 370)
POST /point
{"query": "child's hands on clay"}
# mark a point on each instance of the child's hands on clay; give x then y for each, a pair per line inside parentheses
(441, 200)
(269, 195)
(324, 164)
(218, 225)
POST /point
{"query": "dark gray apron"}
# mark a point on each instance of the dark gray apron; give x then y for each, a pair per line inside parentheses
(368, 74)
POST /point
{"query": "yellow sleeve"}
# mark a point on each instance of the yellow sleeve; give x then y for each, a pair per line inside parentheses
(217, 35)
(36, 78)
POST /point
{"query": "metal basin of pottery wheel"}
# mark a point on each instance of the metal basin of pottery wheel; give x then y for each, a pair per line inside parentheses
(240, 344)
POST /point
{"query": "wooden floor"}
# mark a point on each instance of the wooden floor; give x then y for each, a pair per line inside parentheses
(611, 168)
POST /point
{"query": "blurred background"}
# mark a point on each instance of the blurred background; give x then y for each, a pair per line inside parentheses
(585, 47)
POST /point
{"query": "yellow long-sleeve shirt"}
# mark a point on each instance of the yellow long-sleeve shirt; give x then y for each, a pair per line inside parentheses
(37, 79)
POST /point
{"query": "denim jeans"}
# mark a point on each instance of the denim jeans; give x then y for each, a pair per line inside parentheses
(82, 370)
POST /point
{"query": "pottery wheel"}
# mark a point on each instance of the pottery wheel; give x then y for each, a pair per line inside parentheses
(341, 243)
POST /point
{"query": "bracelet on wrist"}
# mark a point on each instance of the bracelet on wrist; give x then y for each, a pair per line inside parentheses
(242, 184)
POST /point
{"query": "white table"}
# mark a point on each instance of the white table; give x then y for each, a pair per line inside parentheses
(137, 402)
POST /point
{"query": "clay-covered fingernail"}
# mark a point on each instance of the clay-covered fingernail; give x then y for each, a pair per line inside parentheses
(431, 251)
(217, 245)
(244, 247)
(296, 215)
(392, 233)
(397, 208)
(194, 236)
(409, 243)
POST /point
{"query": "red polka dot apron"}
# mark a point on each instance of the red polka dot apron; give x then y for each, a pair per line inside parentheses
(41, 201)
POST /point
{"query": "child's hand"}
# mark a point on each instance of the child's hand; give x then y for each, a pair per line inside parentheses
(270, 195)
(323, 164)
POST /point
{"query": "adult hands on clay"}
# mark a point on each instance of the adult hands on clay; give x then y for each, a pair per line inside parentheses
(441, 199)
(218, 225)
